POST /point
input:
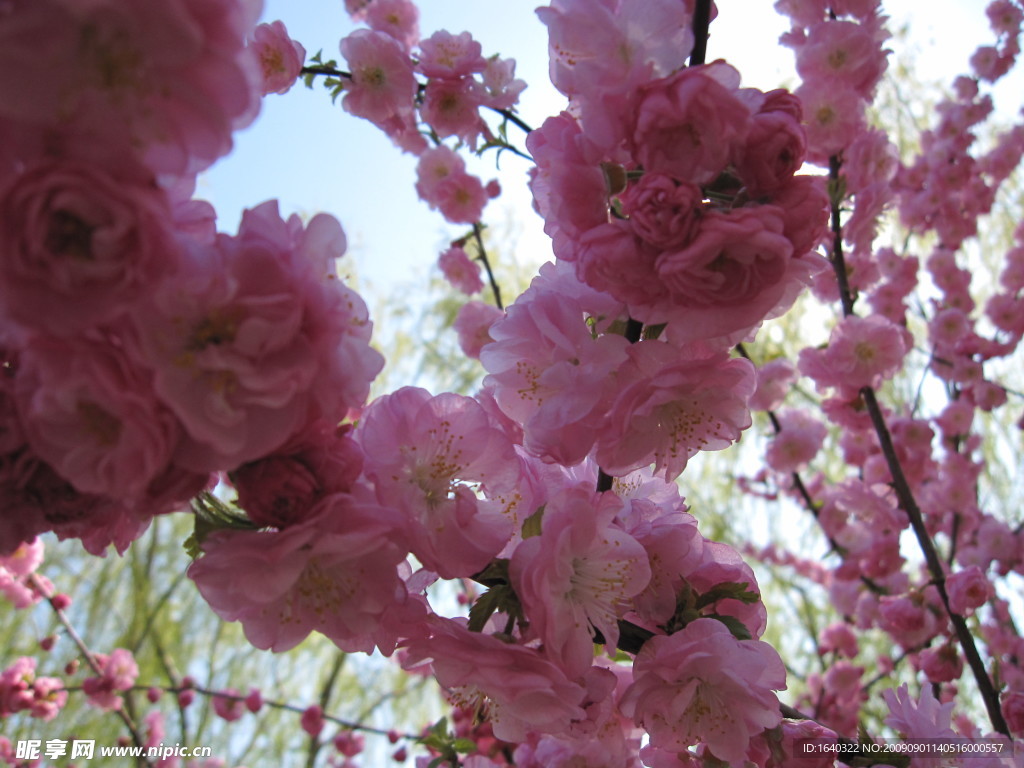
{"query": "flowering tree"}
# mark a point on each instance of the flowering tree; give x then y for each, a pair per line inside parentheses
(156, 368)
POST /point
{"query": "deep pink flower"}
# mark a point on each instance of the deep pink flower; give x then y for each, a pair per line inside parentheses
(163, 83)
(229, 705)
(577, 576)
(280, 57)
(80, 247)
(701, 684)
(662, 211)
(968, 589)
(689, 124)
(258, 338)
(335, 573)
(119, 671)
(773, 151)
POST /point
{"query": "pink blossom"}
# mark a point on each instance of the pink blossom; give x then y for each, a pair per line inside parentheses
(23, 560)
(611, 258)
(569, 188)
(383, 85)
(280, 57)
(550, 374)
(460, 271)
(805, 207)
(397, 18)
(862, 352)
(833, 117)
(521, 691)
(335, 573)
(500, 84)
(773, 151)
(452, 108)
(689, 124)
(671, 406)
(422, 452)
(842, 54)
(162, 83)
(258, 338)
(774, 381)
(1012, 705)
(450, 56)
(662, 211)
(283, 488)
(923, 719)
(442, 181)
(119, 671)
(473, 323)
(968, 589)
(349, 743)
(607, 47)
(79, 247)
(701, 684)
(797, 443)
(91, 413)
(737, 271)
(909, 620)
(577, 576)
(229, 705)
(942, 664)
(312, 720)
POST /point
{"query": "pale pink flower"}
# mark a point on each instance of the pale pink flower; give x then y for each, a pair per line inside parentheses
(422, 452)
(862, 352)
(383, 84)
(473, 324)
(520, 690)
(833, 117)
(842, 54)
(90, 411)
(23, 560)
(673, 406)
(451, 56)
(461, 199)
(614, 47)
(460, 270)
(397, 18)
(569, 188)
(689, 124)
(336, 573)
(500, 84)
(909, 620)
(774, 381)
(280, 57)
(968, 589)
(925, 718)
(551, 375)
(452, 108)
(80, 247)
(577, 576)
(703, 685)
(797, 443)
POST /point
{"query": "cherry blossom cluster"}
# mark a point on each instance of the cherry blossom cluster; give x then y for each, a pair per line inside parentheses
(142, 350)
(930, 468)
(147, 357)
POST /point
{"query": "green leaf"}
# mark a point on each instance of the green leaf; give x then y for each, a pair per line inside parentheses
(465, 746)
(728, 591)
(482, 609)
(734, 625)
